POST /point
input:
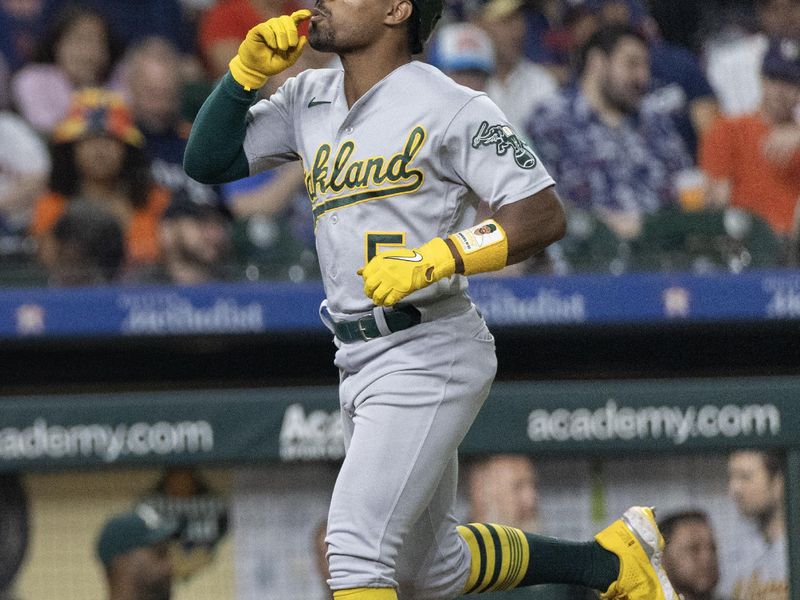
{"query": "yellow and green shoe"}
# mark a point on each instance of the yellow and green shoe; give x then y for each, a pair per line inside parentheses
(638, 543)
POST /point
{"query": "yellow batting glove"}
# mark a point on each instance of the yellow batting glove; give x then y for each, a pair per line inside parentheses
(391, 276)
(269, 48)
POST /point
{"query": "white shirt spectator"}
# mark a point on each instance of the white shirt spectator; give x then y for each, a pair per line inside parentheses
(734, 70)
(525, 88)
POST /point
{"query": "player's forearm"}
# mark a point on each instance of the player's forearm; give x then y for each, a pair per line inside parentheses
(215, 152)
(532, 224)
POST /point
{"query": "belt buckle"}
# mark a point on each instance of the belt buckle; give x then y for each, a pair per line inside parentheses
(362, 332)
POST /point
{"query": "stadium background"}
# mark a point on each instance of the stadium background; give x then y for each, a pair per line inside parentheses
(731, 355)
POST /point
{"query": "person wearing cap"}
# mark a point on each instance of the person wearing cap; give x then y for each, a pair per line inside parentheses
(133, 548)
(464, 52)
(753, 161)
(518, 85)
(97, 155)
(195, 239)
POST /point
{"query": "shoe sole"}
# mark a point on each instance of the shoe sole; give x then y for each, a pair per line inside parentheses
(642, 524)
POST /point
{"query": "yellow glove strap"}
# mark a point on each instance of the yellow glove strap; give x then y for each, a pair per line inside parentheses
(483, 247)
(247, 78)
(438, 255)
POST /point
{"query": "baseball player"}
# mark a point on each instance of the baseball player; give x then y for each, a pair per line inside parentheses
(390, 148)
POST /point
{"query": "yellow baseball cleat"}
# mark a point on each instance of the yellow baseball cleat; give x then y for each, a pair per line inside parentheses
(638, 543)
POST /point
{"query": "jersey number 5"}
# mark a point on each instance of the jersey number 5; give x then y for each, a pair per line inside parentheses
(375, 240)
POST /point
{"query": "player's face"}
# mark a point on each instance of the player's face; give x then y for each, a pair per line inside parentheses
(345, 25)
(514, 498)
(690, 559)
(152, 571)
(750, 485)
(627, 75)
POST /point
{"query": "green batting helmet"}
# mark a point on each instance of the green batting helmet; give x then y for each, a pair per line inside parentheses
(426, 14)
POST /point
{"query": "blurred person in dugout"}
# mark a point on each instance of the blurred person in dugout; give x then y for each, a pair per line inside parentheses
(753, 161)
(134, 550)
(502, 488)
(611, 155)
(97, 157)
(85, 247)
(76, 52)
(195, 239)
(756, 485)
(690, 554)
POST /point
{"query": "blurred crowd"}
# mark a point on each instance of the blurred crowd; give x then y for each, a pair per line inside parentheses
(674, 146)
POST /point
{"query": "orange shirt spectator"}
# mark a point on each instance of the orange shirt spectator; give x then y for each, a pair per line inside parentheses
(98, 158)
(753, 161)
(733, 151)
(141, 237)
(226, 24)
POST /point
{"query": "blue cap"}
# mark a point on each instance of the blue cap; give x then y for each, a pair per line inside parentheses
(782, 60)
(462, 47)
(129, 531)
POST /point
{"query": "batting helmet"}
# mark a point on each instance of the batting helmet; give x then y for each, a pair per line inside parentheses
(424, 18)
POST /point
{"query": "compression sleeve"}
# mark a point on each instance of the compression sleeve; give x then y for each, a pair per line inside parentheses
(215, 151)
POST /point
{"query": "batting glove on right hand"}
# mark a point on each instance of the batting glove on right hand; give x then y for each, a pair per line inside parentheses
(269, 48)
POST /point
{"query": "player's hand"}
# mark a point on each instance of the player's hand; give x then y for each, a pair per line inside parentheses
(269, 48)
(391, 276)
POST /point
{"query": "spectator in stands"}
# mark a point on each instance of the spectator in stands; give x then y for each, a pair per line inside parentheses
(502, 488)
(195, 240)
(85, 247)
(97, 156)
(226, 24)
(608, 154)
(733, 65)
(690, 554)
(22, 23)
(153, 84)
(753, 161)
(678, 86)
(134, 21)
(518, 85)
(24, 170)
(464, 52)
(134, 551)
(77, 52)
(756, 484)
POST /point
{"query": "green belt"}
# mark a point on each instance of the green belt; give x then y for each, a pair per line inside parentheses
(365, 328)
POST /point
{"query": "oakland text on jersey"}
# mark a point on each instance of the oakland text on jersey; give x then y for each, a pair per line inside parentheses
(375, 177)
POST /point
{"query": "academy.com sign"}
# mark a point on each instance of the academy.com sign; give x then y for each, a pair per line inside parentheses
(103, 441)
(671, 423)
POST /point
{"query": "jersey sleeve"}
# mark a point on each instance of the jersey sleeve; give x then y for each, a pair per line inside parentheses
(482, 150)
(270, 140)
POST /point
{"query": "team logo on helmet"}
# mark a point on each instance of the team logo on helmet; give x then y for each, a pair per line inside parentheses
(503, 138)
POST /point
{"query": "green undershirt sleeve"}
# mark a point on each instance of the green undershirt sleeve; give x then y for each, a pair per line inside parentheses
(215, 152)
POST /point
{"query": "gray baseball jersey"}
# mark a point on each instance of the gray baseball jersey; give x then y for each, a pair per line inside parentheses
(398, 168)
(392, 170)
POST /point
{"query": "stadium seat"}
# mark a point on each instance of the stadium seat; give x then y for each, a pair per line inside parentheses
(702, 241)
(588, 246)
(266, 248)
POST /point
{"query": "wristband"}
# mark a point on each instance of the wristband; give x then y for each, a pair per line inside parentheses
(483, 247)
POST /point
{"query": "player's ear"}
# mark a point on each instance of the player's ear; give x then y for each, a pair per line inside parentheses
(398, 12)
